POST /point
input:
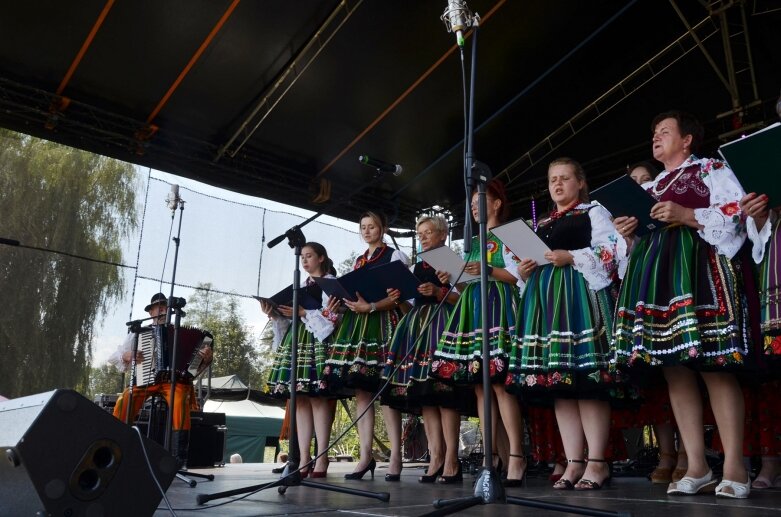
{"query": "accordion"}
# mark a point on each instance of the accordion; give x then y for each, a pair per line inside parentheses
(156, 343)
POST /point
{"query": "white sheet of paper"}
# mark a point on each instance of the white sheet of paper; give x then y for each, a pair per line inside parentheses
(522, 241)
(445, 259)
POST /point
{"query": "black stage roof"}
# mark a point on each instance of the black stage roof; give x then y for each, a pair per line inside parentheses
(278, 98)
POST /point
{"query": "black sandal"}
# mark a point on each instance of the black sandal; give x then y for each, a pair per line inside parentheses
(587, 484)
(566, 484)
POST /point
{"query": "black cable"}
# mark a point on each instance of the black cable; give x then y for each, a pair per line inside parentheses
(140, 240)
(167, 249)
(151, 471)
(15, 243)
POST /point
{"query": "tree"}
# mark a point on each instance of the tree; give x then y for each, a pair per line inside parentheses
(234, 353)
(104, 379)
(347, 264)
(59, 198)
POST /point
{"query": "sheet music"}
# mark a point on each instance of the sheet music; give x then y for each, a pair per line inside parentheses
(445, 259)
(522, 241)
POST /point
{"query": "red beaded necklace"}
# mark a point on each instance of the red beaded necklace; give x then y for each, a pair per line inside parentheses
(556, 214)
(365, 259)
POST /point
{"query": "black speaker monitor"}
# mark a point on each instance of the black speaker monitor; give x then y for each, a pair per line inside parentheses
(64, 456)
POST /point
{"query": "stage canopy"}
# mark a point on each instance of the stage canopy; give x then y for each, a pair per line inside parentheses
(279, 98)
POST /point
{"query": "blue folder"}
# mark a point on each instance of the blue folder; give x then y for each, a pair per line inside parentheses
(372, 282)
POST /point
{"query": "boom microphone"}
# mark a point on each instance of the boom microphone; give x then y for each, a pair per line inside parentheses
(381, 165)
(173, 197)
(456, 18)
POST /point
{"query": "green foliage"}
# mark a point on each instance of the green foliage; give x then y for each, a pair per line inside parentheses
(347, 264)
(104, 379)
(56, 197)
(234, 352)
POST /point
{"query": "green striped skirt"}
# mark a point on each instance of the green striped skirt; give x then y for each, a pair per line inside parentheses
(562, 341)
(309, 372)
(458, 358)
(409, 361)
(358, 350)
(681, 303)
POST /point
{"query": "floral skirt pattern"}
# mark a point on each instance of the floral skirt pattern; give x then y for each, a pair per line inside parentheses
(458, 358)
(311, 363)
(681, 303)
(412, 346)
(562, 339)
(358, 351)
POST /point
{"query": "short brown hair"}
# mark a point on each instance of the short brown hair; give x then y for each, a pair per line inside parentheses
(687, 125)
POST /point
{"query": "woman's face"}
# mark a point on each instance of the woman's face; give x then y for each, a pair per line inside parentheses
(640, 175)
(667, 142)
(310, 261)
(429, 237)
(563, 185)
(371, 231)
(492, 205)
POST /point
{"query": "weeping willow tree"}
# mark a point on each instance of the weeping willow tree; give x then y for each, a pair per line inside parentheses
(58, 198)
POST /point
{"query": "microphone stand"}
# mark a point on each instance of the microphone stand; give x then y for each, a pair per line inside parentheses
(291, 475)
(175, 305)
(488, 488)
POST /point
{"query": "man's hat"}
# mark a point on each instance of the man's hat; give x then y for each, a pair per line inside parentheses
(158, 299)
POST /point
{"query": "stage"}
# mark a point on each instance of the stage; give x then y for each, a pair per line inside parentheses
(409, 498)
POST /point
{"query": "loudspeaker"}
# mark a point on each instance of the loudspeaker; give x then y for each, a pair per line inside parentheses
(67, 457)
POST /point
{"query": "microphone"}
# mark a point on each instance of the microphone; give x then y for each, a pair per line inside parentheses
(381, 165)
(456, 18)
(173, 197)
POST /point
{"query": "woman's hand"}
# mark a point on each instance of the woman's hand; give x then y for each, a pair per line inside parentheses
(559, 258)
(443, 277)
(287, 311)
(526, 268)
(673, 213)
(394, 295)
(626, 226)
(333, 304)
(266, 308)
(755, 206)
(361, 305)
(472, 268)
(428, 289)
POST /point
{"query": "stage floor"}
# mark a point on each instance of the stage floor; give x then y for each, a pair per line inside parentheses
(409, 498)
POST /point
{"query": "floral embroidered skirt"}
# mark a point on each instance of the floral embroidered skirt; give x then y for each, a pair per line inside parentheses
(562, 343)
(311, 362)
(412, 346)
(681, 303)
(458, 358)
(358, 350)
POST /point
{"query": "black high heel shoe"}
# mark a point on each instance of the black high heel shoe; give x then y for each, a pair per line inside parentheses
(393, 477)
(358, 474)
(587, 484)
(425, 478)
(509, 483)
(449, 480)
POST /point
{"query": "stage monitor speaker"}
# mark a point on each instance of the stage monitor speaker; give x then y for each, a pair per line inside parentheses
(64, 456)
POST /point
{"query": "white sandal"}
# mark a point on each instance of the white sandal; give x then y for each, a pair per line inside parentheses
(733, 489)
(693, 486)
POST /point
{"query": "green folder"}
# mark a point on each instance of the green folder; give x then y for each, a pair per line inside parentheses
(756, 161)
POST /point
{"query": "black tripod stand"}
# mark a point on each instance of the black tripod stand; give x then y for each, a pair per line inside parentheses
(488, 488)
(291, 475)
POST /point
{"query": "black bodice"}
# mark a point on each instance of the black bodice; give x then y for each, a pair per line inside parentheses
(572, 231)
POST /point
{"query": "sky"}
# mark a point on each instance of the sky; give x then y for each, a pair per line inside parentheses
(221, 243)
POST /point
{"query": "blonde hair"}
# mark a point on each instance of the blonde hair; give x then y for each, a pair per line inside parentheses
(437, 221)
